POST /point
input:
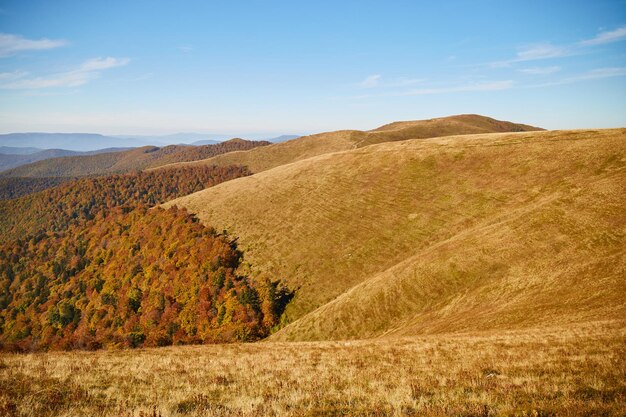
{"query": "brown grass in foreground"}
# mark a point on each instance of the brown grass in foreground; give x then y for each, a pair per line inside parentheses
(574, 371)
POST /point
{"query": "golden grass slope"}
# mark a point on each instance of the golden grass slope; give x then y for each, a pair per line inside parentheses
(461, 233)
(261, 159)
(573, 371)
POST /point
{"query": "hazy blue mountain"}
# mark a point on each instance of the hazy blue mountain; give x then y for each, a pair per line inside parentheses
(8, 161)
(31, 143)
(69, 141)
(180, 138)
(199, 139)
(205, 142)
(10, 150)
(282, 138)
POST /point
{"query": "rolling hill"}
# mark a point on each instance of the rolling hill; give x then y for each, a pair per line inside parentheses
(308, 146)
(131, 160)
(450, 234)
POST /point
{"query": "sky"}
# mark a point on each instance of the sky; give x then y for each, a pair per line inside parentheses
(298, 67)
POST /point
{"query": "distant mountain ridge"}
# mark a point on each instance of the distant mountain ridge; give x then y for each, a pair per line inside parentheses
(304, 147)
(126, 161)
(8, 161)
(205, 142)
(32, 142)
(15, 150)
(78, 142)
(283, 138)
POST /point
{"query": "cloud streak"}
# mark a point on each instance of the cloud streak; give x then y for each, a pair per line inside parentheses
(606, 37)
(87, 71)
(376, 81)
(600, 73)
(12, 44)
(483, 86)
(546, 50)
(595, 74)
(540, 70)
(535, 52)
(486, 86)
(370, 81)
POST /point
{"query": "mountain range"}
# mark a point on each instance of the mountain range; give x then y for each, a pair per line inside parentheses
(25, 143)
(125, 160)
(15, 159)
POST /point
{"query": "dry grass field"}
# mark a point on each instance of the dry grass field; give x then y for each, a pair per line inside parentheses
(577, 370)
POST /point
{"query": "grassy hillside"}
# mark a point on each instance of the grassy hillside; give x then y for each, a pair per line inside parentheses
(132, 160)
(445, 234)
(258, 160)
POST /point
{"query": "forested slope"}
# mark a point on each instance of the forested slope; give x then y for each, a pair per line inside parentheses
(77, 201)
(130, 278)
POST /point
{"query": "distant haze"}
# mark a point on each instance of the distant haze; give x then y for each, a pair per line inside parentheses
(24, 143)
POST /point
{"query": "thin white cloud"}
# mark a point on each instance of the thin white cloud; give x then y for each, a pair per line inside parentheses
(14, 75)
(606, 37)
(540, 70)
(404, 82)
(600, 73)
(535, 52)
(546, 50)
(376, 81)
(596, 74)
(186, 48)
(11, 44)
(97, 64)
(370, 81)
(88, 70)
(485, 86)
(541, 51)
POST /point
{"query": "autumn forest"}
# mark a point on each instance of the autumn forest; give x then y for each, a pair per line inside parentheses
(91, 265)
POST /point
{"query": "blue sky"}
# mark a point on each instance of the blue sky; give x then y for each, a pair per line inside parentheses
(157, 67)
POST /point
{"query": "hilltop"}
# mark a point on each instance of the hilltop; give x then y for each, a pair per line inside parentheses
(258, 160)
(459, 233)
